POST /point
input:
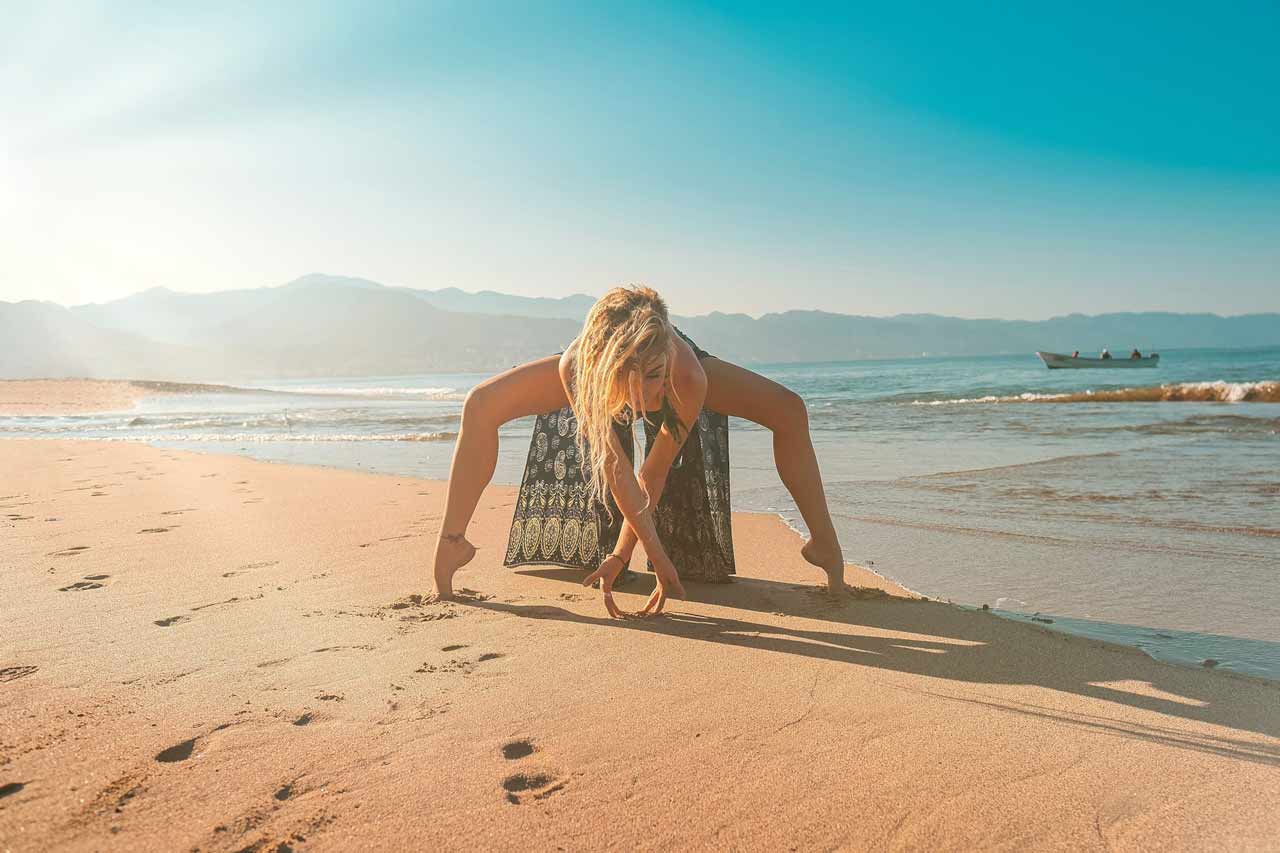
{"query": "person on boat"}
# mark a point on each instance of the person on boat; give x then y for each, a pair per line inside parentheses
(1106, 353)
(1075, 354)
(1135, 353)
(629, 361)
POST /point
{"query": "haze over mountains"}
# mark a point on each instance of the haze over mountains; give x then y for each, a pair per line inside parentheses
(323, 325)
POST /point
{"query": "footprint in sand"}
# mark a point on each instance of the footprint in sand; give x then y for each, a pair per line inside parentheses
(304, 719)
(155, 530)
(428, 610)
(11, 788)
(456, 665)
(235, 599)
(73, 551)
(91, 582)
(527, 785)
(516, 749)
(177, 752)
(331, 697)
(172, 620)
(178, 511)
(13, 673)
(182, 751)
(453, 648)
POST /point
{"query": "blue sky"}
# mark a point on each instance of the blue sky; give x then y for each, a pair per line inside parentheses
(961, 159)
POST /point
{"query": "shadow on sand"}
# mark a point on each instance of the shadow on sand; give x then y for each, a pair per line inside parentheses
(947, 642)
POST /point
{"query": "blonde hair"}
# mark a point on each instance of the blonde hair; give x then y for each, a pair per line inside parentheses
(625, 332)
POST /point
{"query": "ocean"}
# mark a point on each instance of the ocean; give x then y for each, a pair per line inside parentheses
(1136, 506)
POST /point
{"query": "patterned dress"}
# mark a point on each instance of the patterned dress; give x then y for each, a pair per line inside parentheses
(558, 523)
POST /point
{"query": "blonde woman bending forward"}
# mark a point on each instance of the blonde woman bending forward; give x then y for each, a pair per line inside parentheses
(630, 359)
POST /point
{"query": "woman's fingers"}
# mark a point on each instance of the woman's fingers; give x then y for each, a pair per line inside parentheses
(603, 573)
(654, 605)
(669, 581)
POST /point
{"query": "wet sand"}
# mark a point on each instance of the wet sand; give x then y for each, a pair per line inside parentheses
(209, 652)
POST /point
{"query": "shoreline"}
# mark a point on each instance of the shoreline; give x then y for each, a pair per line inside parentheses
(53, 397)
(1181, 647)
(183, 622)
(1114, 635)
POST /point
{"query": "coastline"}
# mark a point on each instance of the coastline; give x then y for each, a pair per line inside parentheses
(38, 397)
(184, 623)
(1174, 641)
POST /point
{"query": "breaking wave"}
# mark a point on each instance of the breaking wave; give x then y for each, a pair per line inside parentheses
(298, 422)
(1181, 392)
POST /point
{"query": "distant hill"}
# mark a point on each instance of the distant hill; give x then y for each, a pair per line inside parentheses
(166, 315)
(329, 328)
(318, 327)
(334, 326)
(799, 336)
(46, 340)
(573, 307)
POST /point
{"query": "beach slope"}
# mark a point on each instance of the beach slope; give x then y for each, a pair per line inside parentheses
(207, 652)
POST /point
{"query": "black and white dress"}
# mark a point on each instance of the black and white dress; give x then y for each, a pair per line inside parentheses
(558, 523)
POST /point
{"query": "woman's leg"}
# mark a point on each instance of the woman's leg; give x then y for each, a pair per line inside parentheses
(529, 389)
(740, 393)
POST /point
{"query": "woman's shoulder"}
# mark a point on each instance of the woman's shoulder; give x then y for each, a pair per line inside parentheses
(566, 364)
(687, 372)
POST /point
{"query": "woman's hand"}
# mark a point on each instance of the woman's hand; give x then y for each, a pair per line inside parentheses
(610, 567)
(668, 585)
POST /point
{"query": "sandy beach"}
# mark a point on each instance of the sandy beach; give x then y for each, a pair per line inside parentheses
(208, 652)
(68, 396)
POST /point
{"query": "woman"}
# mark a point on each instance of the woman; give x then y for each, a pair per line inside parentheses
(628, 359)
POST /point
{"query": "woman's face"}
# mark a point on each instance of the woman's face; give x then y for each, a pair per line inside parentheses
(652, 379)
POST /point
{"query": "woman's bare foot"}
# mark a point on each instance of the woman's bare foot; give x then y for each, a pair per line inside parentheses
(453, 551)
(830, 559)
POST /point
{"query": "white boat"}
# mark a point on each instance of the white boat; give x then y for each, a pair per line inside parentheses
(1058, 361)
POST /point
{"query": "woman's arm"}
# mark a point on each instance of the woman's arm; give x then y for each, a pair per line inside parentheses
(690, 383)
(637, 516)
(637, 513)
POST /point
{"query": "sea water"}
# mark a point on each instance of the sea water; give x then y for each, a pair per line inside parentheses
(1138, 506)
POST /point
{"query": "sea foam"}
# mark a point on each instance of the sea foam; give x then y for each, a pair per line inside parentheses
(1179, 392)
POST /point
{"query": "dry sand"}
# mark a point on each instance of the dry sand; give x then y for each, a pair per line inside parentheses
(207, 652)
(68, 396)
(81, 396)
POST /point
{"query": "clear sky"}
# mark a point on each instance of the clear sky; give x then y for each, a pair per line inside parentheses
(970, 159)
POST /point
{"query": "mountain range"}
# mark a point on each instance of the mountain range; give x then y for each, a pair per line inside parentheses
(321, 325)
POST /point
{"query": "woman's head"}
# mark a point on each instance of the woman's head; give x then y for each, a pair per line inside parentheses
(621, 367)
